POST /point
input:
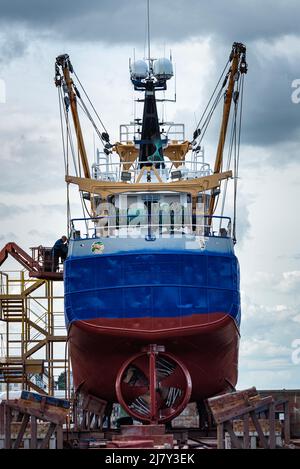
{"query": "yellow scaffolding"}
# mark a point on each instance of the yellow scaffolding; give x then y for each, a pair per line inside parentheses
(34, 342)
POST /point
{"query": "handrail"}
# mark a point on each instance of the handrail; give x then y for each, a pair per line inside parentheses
(111, 216)
(177, 223)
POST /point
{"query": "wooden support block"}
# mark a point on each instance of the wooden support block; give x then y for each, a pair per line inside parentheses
(59, 437)
(261, 436)
(42, 410)
(7, 423)
(230, 399)
(33, 439)
(287, 428)
(45, 443)
(220, 435)
(272, 437)
(234, 439)
(229, 412)
(23, 427)
(246, 438)
(2, 418)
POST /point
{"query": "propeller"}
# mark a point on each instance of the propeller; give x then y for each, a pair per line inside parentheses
(153, 396)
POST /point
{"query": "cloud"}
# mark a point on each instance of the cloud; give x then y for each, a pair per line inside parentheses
(10, 210)
(265, 349)
(29, 155)
(117, 21)
(285, 282)
(270, 117)
(13, 45)
(290, 282)
(42, 234)
(270, 120)
(267, 335)
(8, 237)
(269, 379)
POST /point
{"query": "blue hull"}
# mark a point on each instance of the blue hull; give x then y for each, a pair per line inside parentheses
(151, 284)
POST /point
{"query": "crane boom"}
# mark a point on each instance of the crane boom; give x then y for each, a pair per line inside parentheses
(238, 64)
(63, 61)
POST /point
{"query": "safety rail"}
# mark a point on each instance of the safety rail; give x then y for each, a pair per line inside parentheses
(169, 130)
(112, 170)
(151, 227)
(44, 256)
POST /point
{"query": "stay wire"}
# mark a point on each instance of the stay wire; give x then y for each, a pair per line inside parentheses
(213, 93)
(89, 116)
(209, 116)
(95, 111)
(229, 158)
(66, 158)
(237, 160)
(62, 127)
(72, 148)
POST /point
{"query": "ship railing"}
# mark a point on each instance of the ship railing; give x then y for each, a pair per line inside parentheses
(115, 171)
(150, 227)
(169, 130)
(44, 256)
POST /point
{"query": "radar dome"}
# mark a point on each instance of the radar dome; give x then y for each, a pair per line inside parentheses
(163, 69)
(139, 70)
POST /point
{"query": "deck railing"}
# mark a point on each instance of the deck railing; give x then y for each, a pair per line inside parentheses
(150, 227)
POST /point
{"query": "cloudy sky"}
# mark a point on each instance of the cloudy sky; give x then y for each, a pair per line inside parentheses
(100, 36)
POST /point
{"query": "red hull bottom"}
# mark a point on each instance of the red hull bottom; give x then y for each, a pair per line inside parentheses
(206, 344)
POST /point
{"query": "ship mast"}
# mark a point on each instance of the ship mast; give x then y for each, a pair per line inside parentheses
(238, 65)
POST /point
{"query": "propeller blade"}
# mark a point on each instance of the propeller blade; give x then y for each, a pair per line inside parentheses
(175, 380)
(132, 392)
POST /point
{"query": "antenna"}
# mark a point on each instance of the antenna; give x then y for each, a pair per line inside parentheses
(148, 24)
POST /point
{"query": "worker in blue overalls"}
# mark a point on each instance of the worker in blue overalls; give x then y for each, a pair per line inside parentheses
(59, 251)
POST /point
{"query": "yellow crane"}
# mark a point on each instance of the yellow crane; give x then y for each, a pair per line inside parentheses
(238, 66)
(63, 61)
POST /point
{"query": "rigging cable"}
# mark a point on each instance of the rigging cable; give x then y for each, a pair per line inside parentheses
(62, 128)
(69, 137)
(209, 116)
(66, 158)
(237, 160)
(83, 89)
(213, 93)
(230, 150)
(70, 143)
(88, 115)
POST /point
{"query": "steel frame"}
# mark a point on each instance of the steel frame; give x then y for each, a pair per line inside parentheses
(32, 312)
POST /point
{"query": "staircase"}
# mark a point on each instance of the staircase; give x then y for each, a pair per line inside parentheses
(31, 324)
(11, 308)
(18, 364)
